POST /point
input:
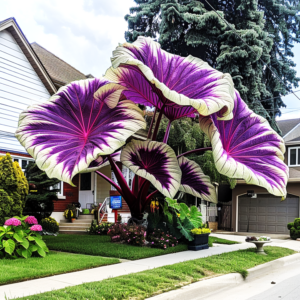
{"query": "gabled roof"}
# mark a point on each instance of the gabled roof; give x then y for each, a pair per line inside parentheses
(287, 125)
(12, 26)
(61, 72)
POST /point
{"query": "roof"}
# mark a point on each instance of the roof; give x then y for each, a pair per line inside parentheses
(61, 72)
(14, 29)
(287, 125)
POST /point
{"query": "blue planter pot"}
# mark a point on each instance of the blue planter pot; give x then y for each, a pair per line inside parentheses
(200, 242)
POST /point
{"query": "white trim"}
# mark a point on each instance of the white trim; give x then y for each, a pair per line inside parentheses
(11, 23)
(291, 130)
(297, 158)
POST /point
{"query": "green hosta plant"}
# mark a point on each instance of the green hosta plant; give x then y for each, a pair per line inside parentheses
(177, 218)
(20, 237)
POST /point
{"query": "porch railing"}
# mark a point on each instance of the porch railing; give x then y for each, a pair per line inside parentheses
(103, 210)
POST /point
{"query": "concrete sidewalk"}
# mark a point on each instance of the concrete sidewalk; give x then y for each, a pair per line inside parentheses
(56, 282)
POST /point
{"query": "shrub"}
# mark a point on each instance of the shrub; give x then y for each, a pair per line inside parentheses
(100, 229)
(177, 218)
(294, 228)
(20, 237)
(49, 225)
(42, 192)
(160, 239)
(200, 231)
(13, 188)
(130, 234)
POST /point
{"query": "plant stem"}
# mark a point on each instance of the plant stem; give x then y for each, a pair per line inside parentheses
(195, 151)
(110, 181)
(157, 124)
(151, 125)
(167, 132)
(128, 196)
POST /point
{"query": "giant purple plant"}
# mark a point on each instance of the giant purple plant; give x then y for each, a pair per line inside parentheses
(89, 123)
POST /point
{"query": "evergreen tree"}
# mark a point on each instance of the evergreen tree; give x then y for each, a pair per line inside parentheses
(269, 27)
(42, 192)
(13, 188)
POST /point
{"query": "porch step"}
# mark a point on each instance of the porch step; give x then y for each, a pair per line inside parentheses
(86, 217)
(70, 227)
(83, 221)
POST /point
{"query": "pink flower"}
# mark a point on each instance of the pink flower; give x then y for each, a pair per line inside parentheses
(36, 228)
(172, 245)
(31, 220)
(12, 222)
(165, 246)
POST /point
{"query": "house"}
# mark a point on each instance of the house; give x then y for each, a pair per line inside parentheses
(23, 81)
(30, 74)
(264, 212)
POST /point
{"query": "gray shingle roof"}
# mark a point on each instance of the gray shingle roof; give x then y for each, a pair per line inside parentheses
(287, 125)
(58, 69)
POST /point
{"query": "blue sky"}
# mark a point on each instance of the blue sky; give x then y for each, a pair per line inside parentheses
(85, 32)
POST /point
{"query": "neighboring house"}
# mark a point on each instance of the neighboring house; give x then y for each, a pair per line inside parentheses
(267, 213)
(23, 81)
(30, 74)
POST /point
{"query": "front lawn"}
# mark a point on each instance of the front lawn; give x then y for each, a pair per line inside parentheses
(216, 240)
(101, 245)
(13, 270)
(151, 282)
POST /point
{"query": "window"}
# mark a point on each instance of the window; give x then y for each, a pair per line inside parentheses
(59, 186)
(23, 162)
(294, 156)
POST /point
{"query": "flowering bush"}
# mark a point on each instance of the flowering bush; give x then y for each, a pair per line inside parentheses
(100, 229)
(200, 231)
(36, 228)
(31, 220)
(12, 222)
(49, 225)
(130, 234)
(160, 239)
(19, 239)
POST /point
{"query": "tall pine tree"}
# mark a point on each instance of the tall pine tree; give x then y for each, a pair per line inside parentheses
(269, 27)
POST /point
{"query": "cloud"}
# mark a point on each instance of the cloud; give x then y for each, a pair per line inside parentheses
(82, 32)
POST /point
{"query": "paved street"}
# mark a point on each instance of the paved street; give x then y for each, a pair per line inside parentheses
(288, 289)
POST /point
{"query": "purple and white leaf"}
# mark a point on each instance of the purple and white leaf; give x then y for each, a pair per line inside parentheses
(186, 81)
(102, 161)
(246, 147)
(195, 182)
(72, 129)
(155, 162)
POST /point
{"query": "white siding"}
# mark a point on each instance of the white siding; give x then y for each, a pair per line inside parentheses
(20, 87)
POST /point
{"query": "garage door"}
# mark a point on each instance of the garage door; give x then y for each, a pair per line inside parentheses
(266, 213)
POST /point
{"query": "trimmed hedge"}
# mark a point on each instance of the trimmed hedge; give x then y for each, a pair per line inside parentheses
(294, 228)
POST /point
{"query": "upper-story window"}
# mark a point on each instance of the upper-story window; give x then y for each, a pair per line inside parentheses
(294, 156)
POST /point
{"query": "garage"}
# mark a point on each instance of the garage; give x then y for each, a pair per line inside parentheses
(266, 213)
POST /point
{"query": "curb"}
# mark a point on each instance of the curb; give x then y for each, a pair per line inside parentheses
(210, 286)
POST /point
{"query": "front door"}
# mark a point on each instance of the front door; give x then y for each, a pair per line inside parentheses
(86, 189)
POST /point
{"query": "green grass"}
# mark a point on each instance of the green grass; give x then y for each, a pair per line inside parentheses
(216, 240)
(101, 245)
(148, 283)
(13, 270)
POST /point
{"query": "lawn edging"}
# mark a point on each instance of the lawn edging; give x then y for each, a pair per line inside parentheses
(218, 283)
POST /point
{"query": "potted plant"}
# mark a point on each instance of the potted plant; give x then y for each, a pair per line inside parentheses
(200, 239)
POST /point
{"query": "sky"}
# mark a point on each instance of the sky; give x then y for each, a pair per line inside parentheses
(85, 32)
